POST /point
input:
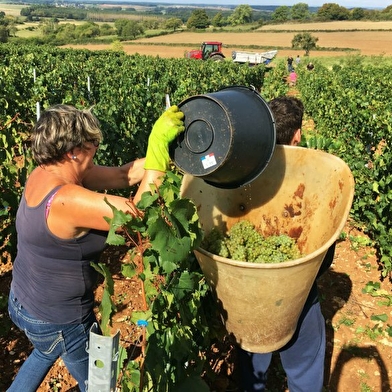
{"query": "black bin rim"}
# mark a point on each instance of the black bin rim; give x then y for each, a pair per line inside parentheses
(265, 140)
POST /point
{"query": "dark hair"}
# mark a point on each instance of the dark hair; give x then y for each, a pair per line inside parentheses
(288, 113)
(60, 129)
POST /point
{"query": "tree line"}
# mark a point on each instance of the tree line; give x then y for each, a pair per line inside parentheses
(241, 14)
(130, 24)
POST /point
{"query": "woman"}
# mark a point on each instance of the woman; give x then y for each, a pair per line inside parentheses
(61, 230)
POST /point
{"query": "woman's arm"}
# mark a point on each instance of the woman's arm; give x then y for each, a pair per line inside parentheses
(105, 177)
(75, 210)
(164, 131)
(150, 182)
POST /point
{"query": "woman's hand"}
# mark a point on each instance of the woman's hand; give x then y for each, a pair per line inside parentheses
(165, 130)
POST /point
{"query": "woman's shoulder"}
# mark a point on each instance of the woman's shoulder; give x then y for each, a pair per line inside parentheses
(38, 188)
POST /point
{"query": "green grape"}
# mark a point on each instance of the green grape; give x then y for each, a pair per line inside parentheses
(214, 242)
(244, 242)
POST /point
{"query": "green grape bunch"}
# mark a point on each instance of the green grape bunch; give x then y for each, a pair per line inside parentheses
(244, 242)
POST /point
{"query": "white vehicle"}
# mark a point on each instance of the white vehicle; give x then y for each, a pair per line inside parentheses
(253, 58)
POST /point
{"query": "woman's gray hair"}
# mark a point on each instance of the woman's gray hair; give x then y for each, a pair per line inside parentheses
(60, 129)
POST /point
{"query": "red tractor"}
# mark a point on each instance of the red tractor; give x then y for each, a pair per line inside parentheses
(209, 50)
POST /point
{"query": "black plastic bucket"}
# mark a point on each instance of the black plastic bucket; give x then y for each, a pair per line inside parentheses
(229, 137)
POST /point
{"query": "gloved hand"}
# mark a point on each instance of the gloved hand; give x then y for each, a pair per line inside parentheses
(164, 131)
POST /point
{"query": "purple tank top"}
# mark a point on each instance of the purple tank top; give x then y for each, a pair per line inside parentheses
(52, 277)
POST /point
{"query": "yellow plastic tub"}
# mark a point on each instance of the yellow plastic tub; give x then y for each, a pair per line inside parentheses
(304, 193)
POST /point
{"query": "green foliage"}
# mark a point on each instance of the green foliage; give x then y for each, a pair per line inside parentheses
(127, 94)
(351, 107)
(174, 319)
(304, 41)
(107, 306)
(3, 34)
(374, 289)
(218, 20)
(357, 13)
(320, 142)
(300, 12)
(275, 84)
(51, 11)
(241, 15)
(198, 20)
(128, 29)
(15, 164)
(173, 24)
(332, 11)
(87, 30)
(281, 14)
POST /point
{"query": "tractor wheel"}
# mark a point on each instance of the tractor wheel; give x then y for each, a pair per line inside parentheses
(216, 57)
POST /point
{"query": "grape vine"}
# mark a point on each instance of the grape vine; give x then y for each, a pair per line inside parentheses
(174, 319)
(350, 105)
(352, 108)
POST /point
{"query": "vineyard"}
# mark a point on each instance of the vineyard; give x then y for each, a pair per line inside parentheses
(350, 105)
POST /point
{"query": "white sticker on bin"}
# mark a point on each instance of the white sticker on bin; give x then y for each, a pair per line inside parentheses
(208, 161)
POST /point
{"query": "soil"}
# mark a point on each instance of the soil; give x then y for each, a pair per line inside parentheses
(358, 355)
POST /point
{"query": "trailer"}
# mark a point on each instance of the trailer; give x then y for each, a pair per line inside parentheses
(253, 58)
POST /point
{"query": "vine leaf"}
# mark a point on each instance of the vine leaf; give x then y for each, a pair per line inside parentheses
(167, 242)
(119, 219)
(128, 270)
(185, 285)
(147, 200)
(107, 306)
(170, 234)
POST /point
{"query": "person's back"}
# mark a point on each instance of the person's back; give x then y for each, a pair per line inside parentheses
(303, 356)
(293, 78)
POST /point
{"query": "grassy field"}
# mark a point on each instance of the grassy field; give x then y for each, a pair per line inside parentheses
(336, 25)
(11, 9)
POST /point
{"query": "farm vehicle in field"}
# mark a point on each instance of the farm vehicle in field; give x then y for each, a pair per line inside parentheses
(253, 58)
(212, 50)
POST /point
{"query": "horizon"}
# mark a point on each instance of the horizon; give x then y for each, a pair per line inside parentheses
(372, 4)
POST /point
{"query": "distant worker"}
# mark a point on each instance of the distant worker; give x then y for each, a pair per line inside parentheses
(298, 59)
(290, 64)
(310, 67)
(292, 78)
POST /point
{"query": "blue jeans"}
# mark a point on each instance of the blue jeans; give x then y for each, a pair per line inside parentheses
(302, 358)
(50, 341)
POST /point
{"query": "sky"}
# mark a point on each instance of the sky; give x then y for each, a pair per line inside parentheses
(311, 3)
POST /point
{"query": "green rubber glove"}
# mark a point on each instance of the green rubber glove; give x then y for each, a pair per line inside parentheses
(164, 131)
